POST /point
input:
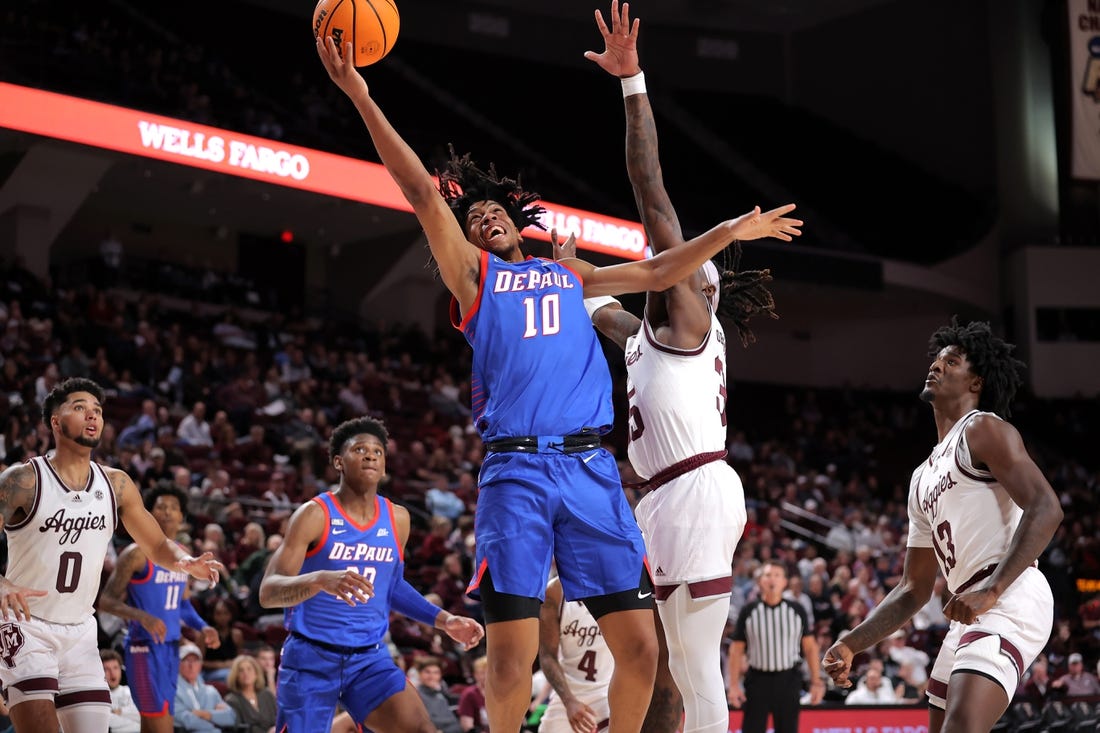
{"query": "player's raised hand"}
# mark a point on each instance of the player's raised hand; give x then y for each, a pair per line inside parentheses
(204, 567)
(347, 585)
(837, 663)
(13, 598)
(620, 53)
(563, 250)
(464, 630)
(774, 223)
(341, 66)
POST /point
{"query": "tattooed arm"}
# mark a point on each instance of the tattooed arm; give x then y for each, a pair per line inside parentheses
(17, 491)
(113, 598)
(283, 585)
(141, 525)
(581, 717)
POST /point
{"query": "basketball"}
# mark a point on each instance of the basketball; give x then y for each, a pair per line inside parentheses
(371, 26)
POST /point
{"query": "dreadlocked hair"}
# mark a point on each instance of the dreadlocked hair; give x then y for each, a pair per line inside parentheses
(990, 358)
(463, 184)
(744, 294)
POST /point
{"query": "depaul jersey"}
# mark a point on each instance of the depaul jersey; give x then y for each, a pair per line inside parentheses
(60, 546)
(677, 399)
(372, 551)
(158, 592)
(958, 510)
(538, 368)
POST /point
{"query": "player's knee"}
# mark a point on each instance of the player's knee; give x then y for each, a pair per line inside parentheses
(638, 652)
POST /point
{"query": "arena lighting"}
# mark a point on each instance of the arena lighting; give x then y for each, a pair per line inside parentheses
(164, 138)
(286, 236)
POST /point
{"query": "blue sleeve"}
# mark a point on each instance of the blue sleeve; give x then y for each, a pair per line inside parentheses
(191, 617)
(407, 601)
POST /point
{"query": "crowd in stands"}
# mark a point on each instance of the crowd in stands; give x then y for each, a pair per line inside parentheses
(241, 425)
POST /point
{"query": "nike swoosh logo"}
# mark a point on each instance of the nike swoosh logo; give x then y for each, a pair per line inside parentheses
(339, 531)
(589, 458)
(643, 596)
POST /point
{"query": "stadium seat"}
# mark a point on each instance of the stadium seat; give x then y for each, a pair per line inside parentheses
(1057, 717)
(1086, 716)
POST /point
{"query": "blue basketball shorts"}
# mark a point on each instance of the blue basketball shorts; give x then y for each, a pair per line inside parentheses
(151, 671)
(569, 506)
(312, 680)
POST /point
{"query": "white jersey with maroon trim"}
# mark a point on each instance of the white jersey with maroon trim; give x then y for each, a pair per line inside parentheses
(677, 399)
(960, 511)
(60, 546)
(587, 664)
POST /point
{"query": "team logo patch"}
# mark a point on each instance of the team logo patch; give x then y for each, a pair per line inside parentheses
(98, 494)
(11, 641)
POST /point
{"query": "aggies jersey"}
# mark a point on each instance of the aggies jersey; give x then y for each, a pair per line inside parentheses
(60, 546)
(960, 511)
(538, 366)
(677, 399)
(582, 652)
(373, 551)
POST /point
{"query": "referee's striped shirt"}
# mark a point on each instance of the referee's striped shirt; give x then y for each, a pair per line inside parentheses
(772, 634)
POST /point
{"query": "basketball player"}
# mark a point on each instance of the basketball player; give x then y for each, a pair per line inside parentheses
(155, 601)
(338, 573)
(60, 512)
(981, 512)
(542, 399)
(577, 663)
(694, 513)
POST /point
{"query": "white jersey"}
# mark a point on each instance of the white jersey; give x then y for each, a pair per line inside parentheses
(587, 664)
(677, 399)
(960, 511)
(60, 546)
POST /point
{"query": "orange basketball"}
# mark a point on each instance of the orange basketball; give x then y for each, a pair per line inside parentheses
(370, 26)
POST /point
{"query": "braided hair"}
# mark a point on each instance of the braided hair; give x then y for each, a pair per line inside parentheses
(743, 294)
(990, 358)
(463, 184)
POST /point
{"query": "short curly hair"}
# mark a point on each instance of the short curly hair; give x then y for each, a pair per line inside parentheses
(463, 184)
(348, 429)
(990, 358)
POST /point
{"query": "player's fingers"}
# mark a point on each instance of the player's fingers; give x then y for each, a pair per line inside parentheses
(600, 24)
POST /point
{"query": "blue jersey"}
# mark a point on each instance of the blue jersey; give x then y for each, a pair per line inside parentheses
(372, 550)
(538, 367)
(158, 592)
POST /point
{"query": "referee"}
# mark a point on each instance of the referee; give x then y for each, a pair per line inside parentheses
(775, 632)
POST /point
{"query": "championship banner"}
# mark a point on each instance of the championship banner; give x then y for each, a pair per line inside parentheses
(247, 156)
(1084, 51)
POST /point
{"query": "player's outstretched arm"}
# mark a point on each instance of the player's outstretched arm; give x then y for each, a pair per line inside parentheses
(141, 525)
(457, 258)
(620, 59)
(283, 586)
(668, 268)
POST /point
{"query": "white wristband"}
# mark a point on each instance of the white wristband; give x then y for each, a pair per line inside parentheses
(634, 84)
(594, 304)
